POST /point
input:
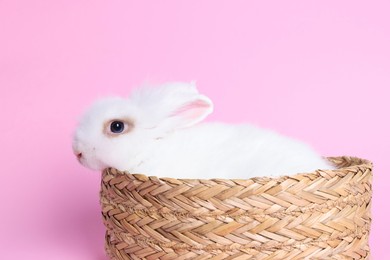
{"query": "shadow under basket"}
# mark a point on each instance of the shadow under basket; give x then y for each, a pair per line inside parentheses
(319, 215)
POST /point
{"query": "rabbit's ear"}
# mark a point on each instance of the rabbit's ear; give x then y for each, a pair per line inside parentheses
(172, 105)
(189, 113)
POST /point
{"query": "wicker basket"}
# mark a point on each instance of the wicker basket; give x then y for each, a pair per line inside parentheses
(320, 215)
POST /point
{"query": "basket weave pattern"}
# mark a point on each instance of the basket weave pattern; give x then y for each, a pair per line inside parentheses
(320, 215)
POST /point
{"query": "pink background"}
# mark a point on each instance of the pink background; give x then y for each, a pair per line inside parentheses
(318, 71)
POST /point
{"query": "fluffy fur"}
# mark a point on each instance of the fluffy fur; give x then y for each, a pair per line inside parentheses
(167, 140)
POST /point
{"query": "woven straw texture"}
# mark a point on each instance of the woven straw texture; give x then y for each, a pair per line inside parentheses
(320, 215)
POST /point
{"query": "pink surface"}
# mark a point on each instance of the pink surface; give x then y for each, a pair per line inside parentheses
(318, 71)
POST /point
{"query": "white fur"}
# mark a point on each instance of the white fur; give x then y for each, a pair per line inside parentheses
(167, 140)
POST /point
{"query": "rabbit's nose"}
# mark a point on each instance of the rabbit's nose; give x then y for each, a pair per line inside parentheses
(79, 155)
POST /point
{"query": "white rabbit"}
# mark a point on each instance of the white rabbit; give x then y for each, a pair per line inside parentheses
(156, 132)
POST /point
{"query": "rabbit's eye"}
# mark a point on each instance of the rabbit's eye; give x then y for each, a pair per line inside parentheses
(117, 127)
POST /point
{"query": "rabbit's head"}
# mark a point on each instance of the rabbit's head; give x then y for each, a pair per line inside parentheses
(115, 131)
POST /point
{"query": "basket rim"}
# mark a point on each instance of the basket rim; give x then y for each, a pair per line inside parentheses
(352, 163)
